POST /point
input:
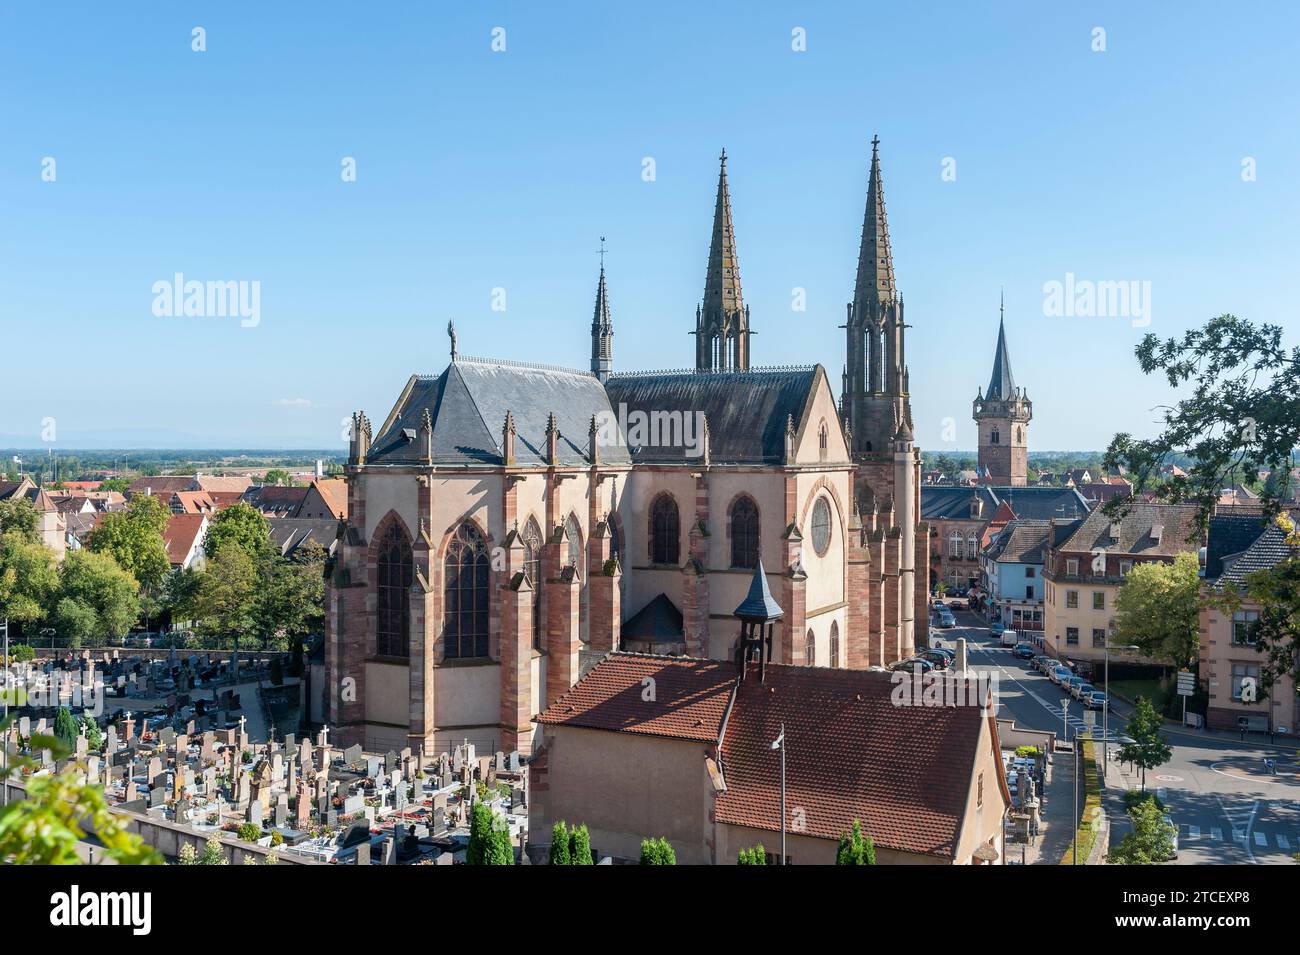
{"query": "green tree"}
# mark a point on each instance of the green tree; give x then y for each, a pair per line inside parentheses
(580, 846)
(22, 653)
(1148, 748)
(94, 735)
(1152, 839)
(242, 526)
(489, 838)
(278, 476)
(65, 728)
(225, 598)
(755, 856)
(1242, 416)
(134, 538)
(559, 854)
(855, 848)
(29, 577)
(290, 601)
(1158, 610)
(18, 516)
(45, 827)
(97, 598)
(657, 852)
(115, 484)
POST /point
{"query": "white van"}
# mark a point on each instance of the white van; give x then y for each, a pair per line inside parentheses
(1010, 638)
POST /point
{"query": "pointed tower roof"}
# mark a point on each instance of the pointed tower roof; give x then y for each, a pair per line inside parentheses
(759, 603)
(600, 317)
(722, 283)
(1001, 384)
(875, 281)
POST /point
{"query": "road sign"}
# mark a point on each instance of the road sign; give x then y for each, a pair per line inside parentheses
(1186, 683)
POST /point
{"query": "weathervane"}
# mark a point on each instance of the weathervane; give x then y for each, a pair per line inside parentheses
(602, 253)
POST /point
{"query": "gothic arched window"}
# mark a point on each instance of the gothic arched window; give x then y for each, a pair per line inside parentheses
(810, 650)
(744, 533)
(823, 439)
(533, 571)
(465, 595)
(994, 437)
(573, 534)
(835, 643)
(394, 573)
(665, 531)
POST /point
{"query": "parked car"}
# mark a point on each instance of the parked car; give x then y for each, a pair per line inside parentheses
(1096, 700)
(1041, 662)
(1068, 683)
(1081, 690)
(914, 663)
(945, 651)
(1009, 638)
(1059, 674)
(1024, 651)
(997, 627)
(940, 660)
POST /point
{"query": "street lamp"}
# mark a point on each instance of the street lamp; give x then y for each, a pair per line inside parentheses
(779, 743)
(1105, 710)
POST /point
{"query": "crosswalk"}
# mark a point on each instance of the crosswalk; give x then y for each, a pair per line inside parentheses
(1260, 840)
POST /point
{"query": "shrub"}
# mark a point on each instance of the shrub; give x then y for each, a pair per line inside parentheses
(855, 848)
(754, 856)
(249, 832)
(657, 852)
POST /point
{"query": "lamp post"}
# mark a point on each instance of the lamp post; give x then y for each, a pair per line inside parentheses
(779, 743)
(1105, 709)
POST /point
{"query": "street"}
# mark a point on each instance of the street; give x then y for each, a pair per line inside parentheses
(1228, 808)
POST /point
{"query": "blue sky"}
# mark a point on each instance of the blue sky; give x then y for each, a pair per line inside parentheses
(479, 169)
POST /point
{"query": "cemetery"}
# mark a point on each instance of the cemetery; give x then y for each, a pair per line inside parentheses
(184, 757)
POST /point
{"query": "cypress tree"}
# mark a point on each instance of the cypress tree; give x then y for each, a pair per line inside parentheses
(559, 854)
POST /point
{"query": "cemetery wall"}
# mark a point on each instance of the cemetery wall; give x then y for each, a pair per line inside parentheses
(168, 837)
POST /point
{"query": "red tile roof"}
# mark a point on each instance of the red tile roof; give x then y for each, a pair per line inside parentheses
(209, 482)
(690, 697)
(904, 771)
(334, 491)
(162, 485)
(180, 535)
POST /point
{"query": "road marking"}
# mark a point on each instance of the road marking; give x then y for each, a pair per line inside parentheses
(1261, 839)
(1193, 832)
(1283, 843)
(1216, 833)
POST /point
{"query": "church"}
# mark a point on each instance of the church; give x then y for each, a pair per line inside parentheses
(509, 523)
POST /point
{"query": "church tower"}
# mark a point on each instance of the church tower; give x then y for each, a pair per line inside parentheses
(722, 320)
(877, 417)
(1003, 413)
(874, 398)
(602, 328)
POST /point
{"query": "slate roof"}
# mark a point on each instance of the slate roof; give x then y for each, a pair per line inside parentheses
(468, 404)
(1021, 542)
(691, 697)
(1240, 544)
(275, 498)
(904, 771)
(659, 620)
(290, 533)
(1029, 503)
(1177, 523)
(1001, 384)
(746, 411)
(759, 604)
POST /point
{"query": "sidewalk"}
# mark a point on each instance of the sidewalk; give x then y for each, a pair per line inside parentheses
(1121, 709)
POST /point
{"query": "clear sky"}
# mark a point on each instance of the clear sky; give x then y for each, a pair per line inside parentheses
(479, 170)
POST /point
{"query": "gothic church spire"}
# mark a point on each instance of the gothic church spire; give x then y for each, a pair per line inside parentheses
(722, 320)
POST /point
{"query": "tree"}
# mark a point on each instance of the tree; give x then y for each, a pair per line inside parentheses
(1152, 839)
(22, 653)
(97, 598)
(226, 593)
(134, 538)
(755, 856)
(1158, 610)
(29, 577)
(94, 735)
(278, 476)
(1242, 416)
(65, 728)
(489, 838)
(580, 846)
(1149, 749)
(290, 601)
(242, 526)
(1277, 592)
(657, 852)
(559, 854)
(45, 827)
(18, 516)
(855, 848)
